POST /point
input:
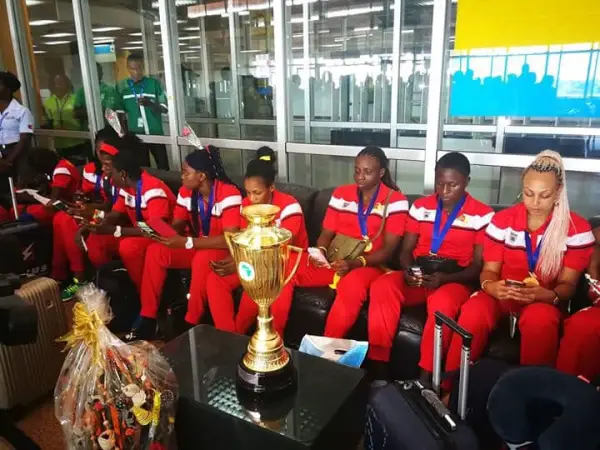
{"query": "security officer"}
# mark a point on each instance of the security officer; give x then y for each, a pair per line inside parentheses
(16, 129)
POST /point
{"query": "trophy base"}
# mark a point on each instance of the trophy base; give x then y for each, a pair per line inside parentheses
(283, 379)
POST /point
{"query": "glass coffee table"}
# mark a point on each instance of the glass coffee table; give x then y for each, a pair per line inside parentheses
(326, 411)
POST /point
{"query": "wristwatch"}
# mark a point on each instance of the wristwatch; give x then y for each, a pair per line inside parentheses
(117, 232)
(189, 243)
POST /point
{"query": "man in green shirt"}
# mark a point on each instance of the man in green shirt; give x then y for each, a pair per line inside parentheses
(143, 101)
(108, 96)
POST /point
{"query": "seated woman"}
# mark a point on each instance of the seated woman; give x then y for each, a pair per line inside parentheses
(98, 190)
(534, 254)
(579, 351)
(57, 178)
(449, 225)
(142, 199)
(208, 205)
(357, 211)
(259, 184)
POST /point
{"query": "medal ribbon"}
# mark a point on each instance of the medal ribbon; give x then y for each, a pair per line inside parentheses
(532, 256)
(439, 235)
(138, 202)
(98, 184)
(135, 94)
(206, 215)
(363, 214)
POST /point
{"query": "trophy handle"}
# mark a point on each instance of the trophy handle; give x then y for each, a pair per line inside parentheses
(227, 235)
(296, 265)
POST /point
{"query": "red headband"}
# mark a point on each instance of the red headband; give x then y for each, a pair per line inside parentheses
(107, 148)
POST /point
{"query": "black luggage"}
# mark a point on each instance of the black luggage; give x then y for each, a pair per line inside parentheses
(122, 294)
(406, 415)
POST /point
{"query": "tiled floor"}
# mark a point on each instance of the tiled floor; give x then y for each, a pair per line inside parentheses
(41, 426)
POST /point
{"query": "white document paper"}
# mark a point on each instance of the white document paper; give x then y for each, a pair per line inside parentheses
(40, 198)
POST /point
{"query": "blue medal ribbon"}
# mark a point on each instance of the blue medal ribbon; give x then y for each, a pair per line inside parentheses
(439, 235)
(138, 202)
(115, 195)
(363, 214)
(206, 215)
(98, 185)
(532, 256)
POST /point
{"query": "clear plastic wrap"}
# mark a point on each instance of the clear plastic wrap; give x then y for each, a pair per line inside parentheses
(111, 395)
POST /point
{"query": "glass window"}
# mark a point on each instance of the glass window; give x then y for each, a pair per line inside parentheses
(228, 91)
(349, 67)
(538, 85)
(129, 59)
(57, 74)
(329, 171)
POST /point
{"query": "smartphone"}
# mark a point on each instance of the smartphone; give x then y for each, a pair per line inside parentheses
(61, 206)
(514, 284)
(318, 256)
(146, 229)
(161, 228)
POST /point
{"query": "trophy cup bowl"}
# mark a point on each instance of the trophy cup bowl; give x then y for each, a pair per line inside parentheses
(261, 253)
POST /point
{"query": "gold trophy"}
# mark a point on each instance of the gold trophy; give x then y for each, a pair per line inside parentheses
(261, 253)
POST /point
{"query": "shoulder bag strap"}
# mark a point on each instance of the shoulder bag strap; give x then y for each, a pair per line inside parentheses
(385, 209)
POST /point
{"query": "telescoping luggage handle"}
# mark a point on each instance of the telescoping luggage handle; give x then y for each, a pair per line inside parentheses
(13, 197)
(465, 356)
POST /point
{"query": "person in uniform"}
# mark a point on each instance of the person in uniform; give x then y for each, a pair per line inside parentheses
(208, 205)
(143, 101)
(60, 113)
(446, 229)
(534, 254)
(108, 98)
(259, 184)
(16, 129)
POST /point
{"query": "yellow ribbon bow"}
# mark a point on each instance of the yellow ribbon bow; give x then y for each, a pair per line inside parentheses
(265, 158)
(85, 330)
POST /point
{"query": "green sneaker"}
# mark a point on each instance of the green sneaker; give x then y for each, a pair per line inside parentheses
(70, 291)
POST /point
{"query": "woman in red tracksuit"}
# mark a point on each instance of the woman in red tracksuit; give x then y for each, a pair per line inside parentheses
(95, 185)
(64, 180)
(357, 210)
(208, 205)
(259, 184)
(541, 244)
(449, 224)
(579, 351)
(142, 198)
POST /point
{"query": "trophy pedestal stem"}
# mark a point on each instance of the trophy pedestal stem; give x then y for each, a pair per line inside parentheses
(266, 366)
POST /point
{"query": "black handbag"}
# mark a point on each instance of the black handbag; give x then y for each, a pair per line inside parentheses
(431, 264)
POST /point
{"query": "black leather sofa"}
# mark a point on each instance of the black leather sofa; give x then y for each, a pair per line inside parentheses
(311, 305)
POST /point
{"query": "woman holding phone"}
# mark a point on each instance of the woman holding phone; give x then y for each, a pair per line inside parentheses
(208, 206)
(259, 184)
(534, 254)
(97, 189)
(143, 199)
(441, 256)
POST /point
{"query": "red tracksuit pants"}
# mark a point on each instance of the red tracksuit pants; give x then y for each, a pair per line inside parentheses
(579, 352)
(538, 323)
(39, 212)
(352, 291)
(387, 297)
(159, 258)
(221, 301)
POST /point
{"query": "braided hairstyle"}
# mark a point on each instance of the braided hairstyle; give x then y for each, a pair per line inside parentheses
(384, 163)
(208, 160)
(263, 166)
(551, 255)
(130, 149)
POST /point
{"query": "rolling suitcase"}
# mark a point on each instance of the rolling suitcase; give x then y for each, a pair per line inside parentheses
(406, 415)
(28, 372)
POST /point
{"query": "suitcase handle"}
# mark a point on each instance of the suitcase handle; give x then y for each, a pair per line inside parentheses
(465, 358)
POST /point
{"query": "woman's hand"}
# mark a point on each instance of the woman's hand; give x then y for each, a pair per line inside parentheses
(80, 236)
(316, 262)
(434, 281)
(176, 241)
(342, 267)
(500, 291)
(224, 267)
(412, 280)
(531, 294)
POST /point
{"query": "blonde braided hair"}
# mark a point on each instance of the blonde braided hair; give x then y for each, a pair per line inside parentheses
(550, 261)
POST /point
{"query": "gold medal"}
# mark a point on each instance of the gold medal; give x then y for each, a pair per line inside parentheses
(531, 280)
(368, 247)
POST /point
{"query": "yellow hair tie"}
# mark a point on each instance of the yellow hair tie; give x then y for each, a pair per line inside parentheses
(265, 158)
